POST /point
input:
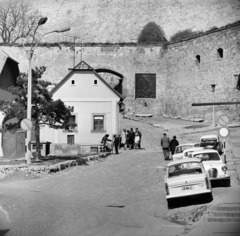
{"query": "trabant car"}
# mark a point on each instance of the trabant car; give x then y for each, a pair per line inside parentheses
(214, 165)
(178, 154)
(186, 178)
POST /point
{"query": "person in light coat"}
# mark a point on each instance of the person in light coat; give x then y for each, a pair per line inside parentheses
(165, 143)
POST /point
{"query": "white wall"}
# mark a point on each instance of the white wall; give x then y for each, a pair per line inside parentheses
(87, 99)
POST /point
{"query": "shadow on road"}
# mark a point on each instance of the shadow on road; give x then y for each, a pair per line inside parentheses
(4, 232)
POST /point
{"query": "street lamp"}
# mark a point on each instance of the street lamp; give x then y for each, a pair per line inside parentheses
(213, 86)
(30, 52)
(62, 28)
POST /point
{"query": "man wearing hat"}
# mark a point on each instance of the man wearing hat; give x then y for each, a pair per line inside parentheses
(173, 144)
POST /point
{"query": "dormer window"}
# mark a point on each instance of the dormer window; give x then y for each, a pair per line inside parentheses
(72, 82)
(95, 82)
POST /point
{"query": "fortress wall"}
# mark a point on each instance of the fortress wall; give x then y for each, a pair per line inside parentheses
(116, 21)
(181, 80)
(190, 81)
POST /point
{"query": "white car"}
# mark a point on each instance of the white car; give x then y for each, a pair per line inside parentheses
(214, 165)
(186, 177)
(178, 154)
(188, 151)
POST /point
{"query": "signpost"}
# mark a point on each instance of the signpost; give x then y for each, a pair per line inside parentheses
(223, 132)
(26, 124)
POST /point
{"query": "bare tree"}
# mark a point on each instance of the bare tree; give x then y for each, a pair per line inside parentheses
(17, 20)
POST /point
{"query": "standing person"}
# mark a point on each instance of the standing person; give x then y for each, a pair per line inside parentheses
(128, 137)
(123, 139)
(165, 142)
(116, 142)
(173, 144)
(138, 133)
(132, 137)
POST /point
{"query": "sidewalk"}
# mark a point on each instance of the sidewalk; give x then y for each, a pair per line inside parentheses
(223, 214)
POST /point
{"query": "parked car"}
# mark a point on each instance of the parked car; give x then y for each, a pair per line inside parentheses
(178, 154)
(187, 151)
(186, 178)
(212, 141)
(214, 165)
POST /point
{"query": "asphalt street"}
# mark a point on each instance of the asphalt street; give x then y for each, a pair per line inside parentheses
(122, 195)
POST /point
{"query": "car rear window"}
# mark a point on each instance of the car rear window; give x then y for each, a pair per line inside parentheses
(185, 169)
(180, 149)
(208, 156)
(209, 140)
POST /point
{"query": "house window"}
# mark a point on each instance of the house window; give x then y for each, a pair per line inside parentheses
(70, 139)
(95, 82)
(71, 120)
(98, 122)
(72, 82)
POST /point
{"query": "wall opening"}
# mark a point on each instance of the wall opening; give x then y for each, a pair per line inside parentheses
(112, 77)
(220, 52)
(198, 58)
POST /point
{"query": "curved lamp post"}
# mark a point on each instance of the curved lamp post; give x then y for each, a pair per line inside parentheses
(29, 97)
(62, 28)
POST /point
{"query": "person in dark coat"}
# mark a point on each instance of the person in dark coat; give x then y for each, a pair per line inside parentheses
(173, 144)
(132, 137)
(116, 141)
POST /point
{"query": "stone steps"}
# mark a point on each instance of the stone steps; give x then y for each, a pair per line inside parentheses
(223, 214)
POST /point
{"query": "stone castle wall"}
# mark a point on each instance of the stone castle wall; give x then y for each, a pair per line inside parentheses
(181, 79)
(117, 21)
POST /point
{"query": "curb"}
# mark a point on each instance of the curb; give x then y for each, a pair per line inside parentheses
(41, 170)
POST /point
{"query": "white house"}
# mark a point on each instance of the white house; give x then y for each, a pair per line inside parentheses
(95, 108)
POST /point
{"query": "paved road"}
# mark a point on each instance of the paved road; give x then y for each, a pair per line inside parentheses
(123, 195)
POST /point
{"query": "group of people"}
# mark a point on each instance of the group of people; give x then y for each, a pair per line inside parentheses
(128, 139)
(168, 146)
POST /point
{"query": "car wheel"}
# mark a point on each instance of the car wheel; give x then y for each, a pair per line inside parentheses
(227, 183)
(170, 203)
(209, 197)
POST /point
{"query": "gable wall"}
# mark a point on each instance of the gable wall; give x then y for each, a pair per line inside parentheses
(84, 88)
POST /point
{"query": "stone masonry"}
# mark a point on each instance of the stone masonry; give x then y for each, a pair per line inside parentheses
(181, 78)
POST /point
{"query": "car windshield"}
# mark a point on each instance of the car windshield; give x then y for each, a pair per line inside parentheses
(208, 156)
(190, 168)
(180, 149)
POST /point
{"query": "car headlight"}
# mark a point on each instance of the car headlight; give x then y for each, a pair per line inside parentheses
(224, 168)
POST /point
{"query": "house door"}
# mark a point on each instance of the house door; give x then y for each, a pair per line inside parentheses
(70, 139)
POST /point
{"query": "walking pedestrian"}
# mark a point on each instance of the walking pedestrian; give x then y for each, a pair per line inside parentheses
(165, 142)
(173, 144)
(116, 142)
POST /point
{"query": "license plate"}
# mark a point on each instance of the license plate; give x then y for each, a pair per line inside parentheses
(188, 188)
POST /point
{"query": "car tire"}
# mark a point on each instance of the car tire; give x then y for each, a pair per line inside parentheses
(227, 183)
(170, 203)
(209, 197)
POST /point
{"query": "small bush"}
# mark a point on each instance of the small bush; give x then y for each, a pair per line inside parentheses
(183, 35)
(151, 33)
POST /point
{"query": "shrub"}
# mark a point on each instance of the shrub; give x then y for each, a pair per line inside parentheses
(151, 33)
(185, 34)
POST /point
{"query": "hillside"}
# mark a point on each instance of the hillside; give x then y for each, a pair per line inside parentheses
(116, 21)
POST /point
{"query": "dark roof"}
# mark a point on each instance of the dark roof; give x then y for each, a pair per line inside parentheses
(3, 58)
(83, 66)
